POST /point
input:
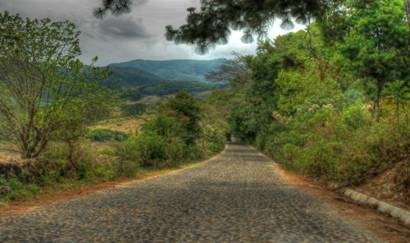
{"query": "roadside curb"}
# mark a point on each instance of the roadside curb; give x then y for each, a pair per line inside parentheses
(383, 207)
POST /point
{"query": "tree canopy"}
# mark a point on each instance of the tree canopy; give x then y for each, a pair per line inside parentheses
(212, 23)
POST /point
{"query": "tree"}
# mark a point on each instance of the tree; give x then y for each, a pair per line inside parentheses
(375, 43)
(234, 71)
(399, 94)
(45, 91)
(185, 108)
(407, 7)
(212, 24)
(116, 7)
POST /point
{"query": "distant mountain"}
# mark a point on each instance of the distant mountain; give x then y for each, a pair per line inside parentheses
(174, 70)
(130, 77)
(139, 78)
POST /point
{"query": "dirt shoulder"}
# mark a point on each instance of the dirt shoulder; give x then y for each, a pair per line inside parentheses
(385, 227)
(385, 188)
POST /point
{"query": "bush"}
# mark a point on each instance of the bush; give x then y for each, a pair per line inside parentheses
(214, 140)
(165, 127)
(142, 150)
(82, 167)
(133, 109)
(354, 116)
(104, 135)
(149, 148)
(17, 189)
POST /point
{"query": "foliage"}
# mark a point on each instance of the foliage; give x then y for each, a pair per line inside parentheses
(185, 109)
(104, 135)
(181, 130)
(213, 22)
(375, 43)
(45, 92)
(135, 109)
(308, 101)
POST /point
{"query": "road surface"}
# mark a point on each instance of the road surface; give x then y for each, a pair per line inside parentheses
(236, 197)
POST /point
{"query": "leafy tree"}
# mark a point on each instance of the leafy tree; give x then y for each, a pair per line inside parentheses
(185, 108)
(399, 93)
(45, 91)
(375, 43)
(212, 24)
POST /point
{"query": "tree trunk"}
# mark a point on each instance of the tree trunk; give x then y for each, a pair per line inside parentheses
(71, 150)
(378, 99)
(407, 8)
(398, 114)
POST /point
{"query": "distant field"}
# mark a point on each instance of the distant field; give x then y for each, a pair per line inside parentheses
(125, 125)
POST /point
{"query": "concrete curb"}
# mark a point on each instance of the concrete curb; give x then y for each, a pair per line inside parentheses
(395, 212)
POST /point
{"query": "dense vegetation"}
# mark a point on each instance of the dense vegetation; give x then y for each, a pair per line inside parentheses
(177, 133)
(331, 106)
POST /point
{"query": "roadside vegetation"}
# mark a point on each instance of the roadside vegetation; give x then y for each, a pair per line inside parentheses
(331, 101)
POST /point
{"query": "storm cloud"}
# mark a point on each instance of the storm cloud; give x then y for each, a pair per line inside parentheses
(139, 34)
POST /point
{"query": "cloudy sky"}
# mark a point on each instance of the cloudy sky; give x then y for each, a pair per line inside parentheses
(136, 35)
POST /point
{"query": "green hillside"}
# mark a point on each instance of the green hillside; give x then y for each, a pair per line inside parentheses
(131, 77)
(175, 70)
(139, 78)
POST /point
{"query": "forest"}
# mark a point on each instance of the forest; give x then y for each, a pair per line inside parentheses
(330, 101)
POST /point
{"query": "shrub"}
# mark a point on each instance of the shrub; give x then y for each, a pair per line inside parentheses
(175, 151)
(146, 150)
(165, 127)
(214, 140)
(104, 135)
(321, 159)
(354, 116)
(133, 109)
(17, 189)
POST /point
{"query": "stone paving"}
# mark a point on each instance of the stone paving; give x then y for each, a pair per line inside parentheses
(236, 197)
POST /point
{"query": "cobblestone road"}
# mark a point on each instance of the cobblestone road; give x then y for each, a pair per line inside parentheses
(236, 197)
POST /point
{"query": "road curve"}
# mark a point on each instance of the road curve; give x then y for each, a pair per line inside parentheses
(235, 197)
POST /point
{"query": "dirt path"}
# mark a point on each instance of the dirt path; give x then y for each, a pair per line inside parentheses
(237, 197)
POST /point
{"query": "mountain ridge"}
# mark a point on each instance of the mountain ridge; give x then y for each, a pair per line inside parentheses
(141, 77)
(174, 69)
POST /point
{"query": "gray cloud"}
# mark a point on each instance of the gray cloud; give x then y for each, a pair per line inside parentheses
(138, 34)
(123, 27)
